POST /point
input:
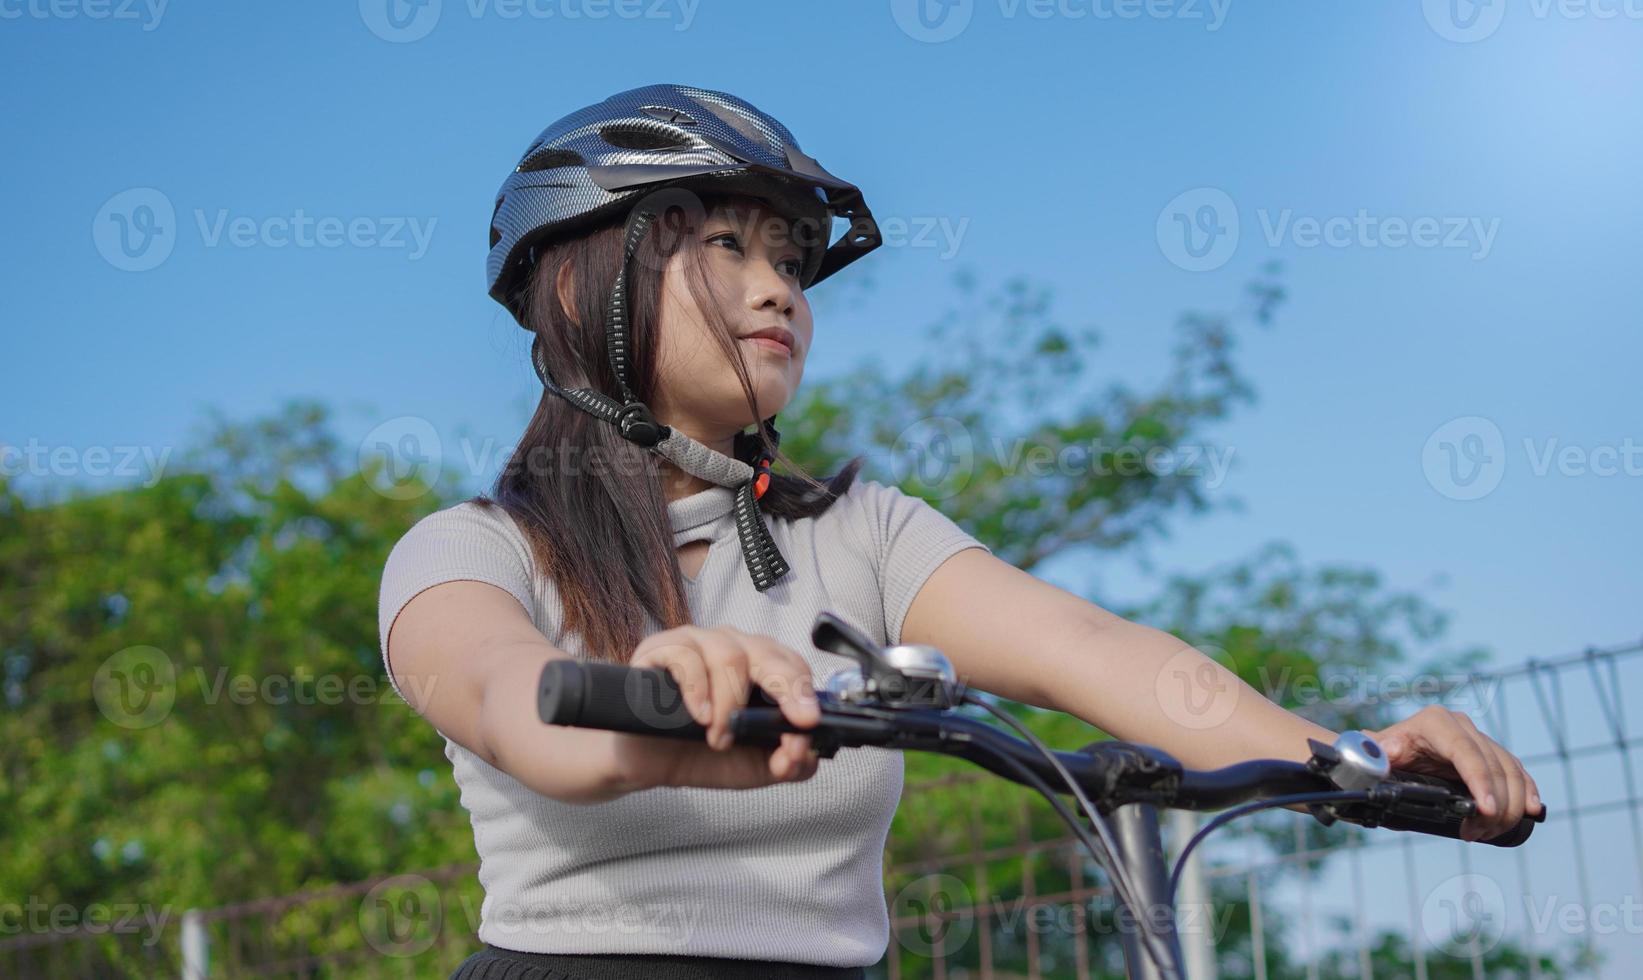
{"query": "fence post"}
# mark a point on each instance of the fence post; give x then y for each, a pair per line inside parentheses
(196, 947)
(1198, 937)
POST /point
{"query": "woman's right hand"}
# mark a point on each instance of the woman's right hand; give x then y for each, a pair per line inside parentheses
(715, 669)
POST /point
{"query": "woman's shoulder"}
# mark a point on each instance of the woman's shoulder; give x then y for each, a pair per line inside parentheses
(869, 501)
(473, 512)
(474, 530)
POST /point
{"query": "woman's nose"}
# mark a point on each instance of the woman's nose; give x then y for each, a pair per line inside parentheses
(769, 289)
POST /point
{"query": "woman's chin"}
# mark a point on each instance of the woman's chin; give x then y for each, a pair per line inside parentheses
(772, 391)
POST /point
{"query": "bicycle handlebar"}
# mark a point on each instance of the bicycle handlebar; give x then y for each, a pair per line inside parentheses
(648, 702)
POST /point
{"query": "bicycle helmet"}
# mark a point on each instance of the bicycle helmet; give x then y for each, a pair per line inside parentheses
(614, 157)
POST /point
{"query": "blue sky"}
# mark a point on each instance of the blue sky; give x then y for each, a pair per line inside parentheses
(1058, 140)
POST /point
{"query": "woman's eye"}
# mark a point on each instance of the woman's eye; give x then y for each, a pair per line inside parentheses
(728, 239)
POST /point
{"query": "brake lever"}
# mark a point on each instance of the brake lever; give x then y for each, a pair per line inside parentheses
(907, 675)
(834, 635)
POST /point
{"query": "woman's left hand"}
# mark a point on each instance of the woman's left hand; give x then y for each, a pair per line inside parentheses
(1439, 742)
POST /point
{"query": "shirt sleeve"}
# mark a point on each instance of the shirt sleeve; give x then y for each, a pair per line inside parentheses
(461, 543)
(912, 539)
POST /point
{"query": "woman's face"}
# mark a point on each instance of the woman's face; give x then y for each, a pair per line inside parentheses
(753, 267)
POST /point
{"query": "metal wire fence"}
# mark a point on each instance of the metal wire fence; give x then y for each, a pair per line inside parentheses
(1001, 890)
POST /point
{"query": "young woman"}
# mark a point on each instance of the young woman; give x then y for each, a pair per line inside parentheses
(658, 246)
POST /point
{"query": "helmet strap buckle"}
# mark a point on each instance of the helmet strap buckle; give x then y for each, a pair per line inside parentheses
(638, 425)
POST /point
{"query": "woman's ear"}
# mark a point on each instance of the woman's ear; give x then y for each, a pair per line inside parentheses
(564, 287)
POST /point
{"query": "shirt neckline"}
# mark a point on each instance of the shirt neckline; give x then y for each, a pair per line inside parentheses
(702, 509)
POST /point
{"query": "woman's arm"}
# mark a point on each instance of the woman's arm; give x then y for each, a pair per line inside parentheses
(478, 686)
(1014, 635)
(467, 657)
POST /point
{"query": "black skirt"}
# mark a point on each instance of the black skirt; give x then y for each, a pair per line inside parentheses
(496, 963)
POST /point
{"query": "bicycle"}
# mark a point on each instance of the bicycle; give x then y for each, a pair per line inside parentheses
(905, 697)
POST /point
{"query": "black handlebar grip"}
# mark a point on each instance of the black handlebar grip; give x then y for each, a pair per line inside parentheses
(1451, 828)
(637, 700)
(615, 698)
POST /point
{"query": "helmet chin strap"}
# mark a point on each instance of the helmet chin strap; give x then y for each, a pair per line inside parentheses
(635, 422)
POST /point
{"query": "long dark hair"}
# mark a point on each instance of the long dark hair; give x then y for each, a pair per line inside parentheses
(590, 502)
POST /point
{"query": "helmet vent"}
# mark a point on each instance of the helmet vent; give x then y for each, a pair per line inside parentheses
(549, 159)
(630, 137)
(665, 114)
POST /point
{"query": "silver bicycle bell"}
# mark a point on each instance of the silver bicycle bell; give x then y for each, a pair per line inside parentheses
(1362, 764)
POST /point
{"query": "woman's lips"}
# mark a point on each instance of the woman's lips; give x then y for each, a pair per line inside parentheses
(770, 345)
